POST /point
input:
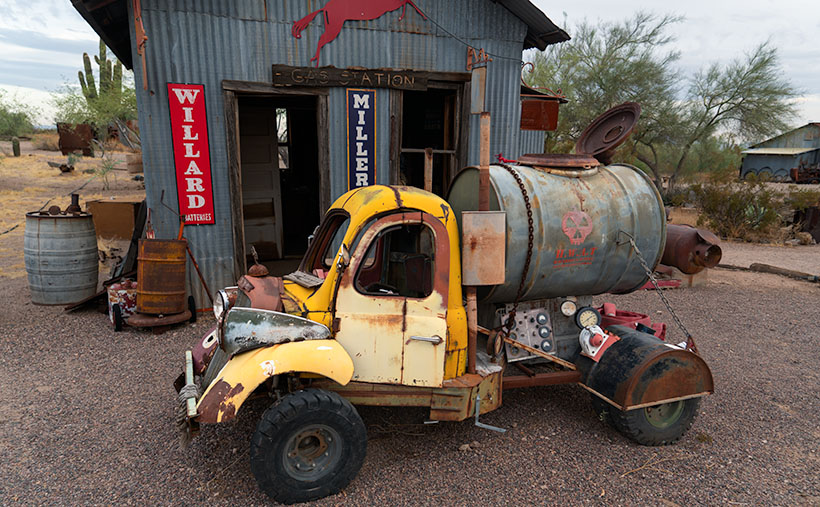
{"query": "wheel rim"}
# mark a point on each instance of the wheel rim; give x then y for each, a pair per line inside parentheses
(665, 415)
(312, 452)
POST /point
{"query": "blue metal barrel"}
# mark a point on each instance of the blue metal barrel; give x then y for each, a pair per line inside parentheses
(582, 221)
(61, 257)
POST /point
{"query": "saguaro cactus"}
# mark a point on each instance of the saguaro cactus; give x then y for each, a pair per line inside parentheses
(110, 76)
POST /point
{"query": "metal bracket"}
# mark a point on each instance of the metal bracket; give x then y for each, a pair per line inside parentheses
(481, 424)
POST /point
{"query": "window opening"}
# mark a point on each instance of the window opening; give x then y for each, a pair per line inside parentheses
(399, 262)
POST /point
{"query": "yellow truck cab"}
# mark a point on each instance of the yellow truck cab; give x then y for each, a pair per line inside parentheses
(375, 315)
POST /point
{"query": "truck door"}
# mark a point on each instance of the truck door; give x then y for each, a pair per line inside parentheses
(390, 308)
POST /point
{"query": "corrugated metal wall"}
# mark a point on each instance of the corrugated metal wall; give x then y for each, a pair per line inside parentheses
(207, 41)
(807, 136)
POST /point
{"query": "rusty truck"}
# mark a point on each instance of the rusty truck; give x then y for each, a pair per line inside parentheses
(404, 298)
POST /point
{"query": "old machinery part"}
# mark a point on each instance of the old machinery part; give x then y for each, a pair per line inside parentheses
(595, 341)
(608, 131)
(587, 317)
(690, 250)
(221, 304)
(568, 308)
(531, 327)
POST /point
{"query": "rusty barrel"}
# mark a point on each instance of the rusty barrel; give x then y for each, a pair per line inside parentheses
(60, 254)
(161, 276)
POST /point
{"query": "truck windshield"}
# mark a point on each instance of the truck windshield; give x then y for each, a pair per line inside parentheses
(320, 255)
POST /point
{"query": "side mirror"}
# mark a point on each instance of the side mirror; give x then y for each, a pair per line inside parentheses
(344, 258)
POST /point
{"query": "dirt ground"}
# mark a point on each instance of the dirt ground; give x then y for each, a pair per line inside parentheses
(27, 183)
(86, 414)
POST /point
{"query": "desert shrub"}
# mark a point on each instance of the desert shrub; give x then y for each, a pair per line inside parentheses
(16, 119)
(739, 210)
(802, 199)
(47, 140)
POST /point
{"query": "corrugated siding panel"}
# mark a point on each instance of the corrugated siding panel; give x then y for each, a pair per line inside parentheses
(530, 141)
(207, 41)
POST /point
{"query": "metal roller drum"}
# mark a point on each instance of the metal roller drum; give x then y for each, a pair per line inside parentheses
(583, 216)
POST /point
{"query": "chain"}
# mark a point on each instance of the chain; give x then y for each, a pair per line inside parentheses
(690, 341)
(511, 316)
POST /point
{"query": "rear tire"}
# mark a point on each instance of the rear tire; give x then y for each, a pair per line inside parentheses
(308, 445)
(116, 315)
(657, 425)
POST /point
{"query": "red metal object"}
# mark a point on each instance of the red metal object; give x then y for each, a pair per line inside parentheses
(611, 316)
(75, 138)
(608, 131)
(501, 158)
(559, 161)
(542, 379)
(336, 12)
(690, 250)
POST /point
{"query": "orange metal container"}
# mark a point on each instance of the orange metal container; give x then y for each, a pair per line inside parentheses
(161, 276)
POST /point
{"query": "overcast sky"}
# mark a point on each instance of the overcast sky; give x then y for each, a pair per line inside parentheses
(42, 41)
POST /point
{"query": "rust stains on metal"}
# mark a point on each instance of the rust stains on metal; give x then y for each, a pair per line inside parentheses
(484, 238)
(269, 295)
(161, 276)
(217, 405)
(542, 379)
(691, 250)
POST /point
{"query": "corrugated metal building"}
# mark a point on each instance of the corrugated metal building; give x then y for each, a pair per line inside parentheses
(775, 157)
(231, 49)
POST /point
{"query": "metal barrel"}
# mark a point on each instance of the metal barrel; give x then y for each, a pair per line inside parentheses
(60, 254)
(161, 276)
(582, 222)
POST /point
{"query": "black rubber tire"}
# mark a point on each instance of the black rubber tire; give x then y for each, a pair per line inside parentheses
(192, 309)
(602, 409)
(635, 425)
(286, 419)
(116, 314)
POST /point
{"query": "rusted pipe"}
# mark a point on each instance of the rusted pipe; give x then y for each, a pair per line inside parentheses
(472, 327)
(690, 250)
(428, 169)
(484, 164)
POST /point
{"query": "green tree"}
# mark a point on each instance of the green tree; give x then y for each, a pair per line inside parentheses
(115, 99)
(609, 63)
(16, 118)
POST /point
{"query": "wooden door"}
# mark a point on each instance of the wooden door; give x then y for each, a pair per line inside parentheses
(261, 190)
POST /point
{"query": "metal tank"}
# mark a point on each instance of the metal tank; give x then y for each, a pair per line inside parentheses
(60, 251)
(161, 276)
(584, 214)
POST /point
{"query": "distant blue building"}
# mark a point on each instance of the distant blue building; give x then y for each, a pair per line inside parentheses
(775, 157)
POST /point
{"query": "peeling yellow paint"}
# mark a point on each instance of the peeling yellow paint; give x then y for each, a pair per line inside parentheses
(323, 357)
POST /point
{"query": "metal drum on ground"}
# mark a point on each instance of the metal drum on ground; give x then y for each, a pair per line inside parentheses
(60, 254)
(161, 276)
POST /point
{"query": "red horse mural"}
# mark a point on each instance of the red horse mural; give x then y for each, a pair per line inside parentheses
(338, 11)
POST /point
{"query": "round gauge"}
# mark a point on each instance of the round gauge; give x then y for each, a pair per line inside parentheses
(587, 317)
(541, 318)
(543, 332)
(546, 346)
(568, 308)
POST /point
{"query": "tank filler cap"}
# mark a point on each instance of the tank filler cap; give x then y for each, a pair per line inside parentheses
(566, 162)
(608, 131)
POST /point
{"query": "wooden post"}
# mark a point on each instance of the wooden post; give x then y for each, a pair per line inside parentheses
(428, 169)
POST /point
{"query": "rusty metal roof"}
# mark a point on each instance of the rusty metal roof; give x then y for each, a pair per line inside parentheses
(109, 18)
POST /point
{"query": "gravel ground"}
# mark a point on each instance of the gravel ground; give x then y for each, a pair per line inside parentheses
(804, 258)
(86, 418)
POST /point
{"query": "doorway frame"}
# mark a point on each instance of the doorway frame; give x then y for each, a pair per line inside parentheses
(231, 92)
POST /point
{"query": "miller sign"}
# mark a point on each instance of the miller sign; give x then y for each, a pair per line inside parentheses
(192, 159)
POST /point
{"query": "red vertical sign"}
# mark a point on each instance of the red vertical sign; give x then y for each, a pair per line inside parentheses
(192, 159)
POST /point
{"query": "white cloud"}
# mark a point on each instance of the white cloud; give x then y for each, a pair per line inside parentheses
(39, 100)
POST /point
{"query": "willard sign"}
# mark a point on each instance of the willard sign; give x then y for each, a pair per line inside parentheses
(189, 131)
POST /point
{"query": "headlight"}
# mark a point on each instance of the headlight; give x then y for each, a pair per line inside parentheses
(221, 304)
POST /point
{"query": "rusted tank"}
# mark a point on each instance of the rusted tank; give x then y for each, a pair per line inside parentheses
(691, 250)
(161, 276)
(60, 251)
(584, 215)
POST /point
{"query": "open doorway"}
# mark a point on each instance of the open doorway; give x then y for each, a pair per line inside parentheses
(279, 175)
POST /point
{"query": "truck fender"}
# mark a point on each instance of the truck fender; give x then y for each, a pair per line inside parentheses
(244, 372)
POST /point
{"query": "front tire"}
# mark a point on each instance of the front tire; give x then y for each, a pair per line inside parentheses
(657, 425)
(308, 445)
